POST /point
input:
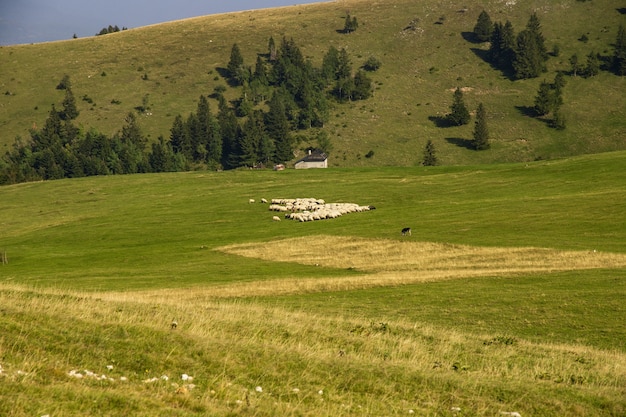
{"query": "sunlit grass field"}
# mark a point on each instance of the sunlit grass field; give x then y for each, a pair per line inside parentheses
(170, 65)
(507, 297)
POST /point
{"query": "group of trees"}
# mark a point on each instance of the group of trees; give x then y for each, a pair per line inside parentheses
(549, 100)
(522, 55)
(62, 150)
(284, 94)
(109, 29)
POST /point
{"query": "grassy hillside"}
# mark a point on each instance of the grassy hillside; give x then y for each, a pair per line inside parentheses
(508, 296)
(420, 69)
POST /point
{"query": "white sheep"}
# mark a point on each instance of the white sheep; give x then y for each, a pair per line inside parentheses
(276, 218)
(251, 201)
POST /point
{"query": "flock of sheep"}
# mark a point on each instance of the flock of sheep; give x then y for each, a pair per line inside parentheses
(309, 209)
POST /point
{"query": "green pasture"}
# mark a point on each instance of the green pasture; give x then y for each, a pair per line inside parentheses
(129, 232)
(539, 344)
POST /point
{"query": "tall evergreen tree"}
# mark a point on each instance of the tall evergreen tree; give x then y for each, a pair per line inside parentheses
(575, 65)
(430, 155)
(484, 27)
(236, 69)
(278, 129)
(543, 100)
(481, 131)
(69, 112)
(528, 61)
(351, 24)
(592, 67)
(250, 141)
(362, 86)
(178, 137)
(502, 49)
(534, 27)
(230, 132)
(619, 56)
(459, 115)
(272, 51)
(330, 64)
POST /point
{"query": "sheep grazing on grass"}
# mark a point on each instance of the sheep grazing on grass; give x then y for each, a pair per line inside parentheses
(276, 218)
(406, 231)
(264, 201)
(309, 209)
(251, 201)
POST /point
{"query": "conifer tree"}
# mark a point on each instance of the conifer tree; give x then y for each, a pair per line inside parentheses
(362, 86)
(481, 131)
(69, 112)
(272, 52)
(459, 115)
(528, 62)
(277, 127)
(351, 24)
(502, 49)
(574, 65)
(484, 27)
(619, 56)
(236, 69)
(534, 27)
(430, 155)
(230, 132)
(543, 100)
(592, 67)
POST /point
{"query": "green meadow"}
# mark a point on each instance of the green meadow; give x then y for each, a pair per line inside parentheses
(507, 297)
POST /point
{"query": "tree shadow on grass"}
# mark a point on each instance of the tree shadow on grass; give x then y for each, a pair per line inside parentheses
(441, 121)
(461, 143)
(470, 37)
(527, 111)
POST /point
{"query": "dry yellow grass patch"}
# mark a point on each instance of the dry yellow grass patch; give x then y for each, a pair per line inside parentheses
(384, 255)
(389, 262)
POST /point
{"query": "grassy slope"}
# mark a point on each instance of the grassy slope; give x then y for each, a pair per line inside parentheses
(419, 70)
(543, 344)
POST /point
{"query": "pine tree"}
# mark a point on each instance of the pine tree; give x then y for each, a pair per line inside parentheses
(69, 112)
(481, 132)
(558, 120)
(502, 49)
(277, 127)
(230, 132)
(528, 62)
(350, 25)
(330, 64)
(484, 27)
(250, 140)
(592, 67)
(272, 52)
(362, 86)
(543, 100)
(575, 65)
(459, 115)
(619, 56)
(430, 157)
(534, 27)
(236, 69)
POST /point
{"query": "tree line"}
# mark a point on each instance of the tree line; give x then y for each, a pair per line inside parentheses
(282, 95)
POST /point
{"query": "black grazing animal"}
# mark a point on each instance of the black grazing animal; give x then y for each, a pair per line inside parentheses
(406, 231)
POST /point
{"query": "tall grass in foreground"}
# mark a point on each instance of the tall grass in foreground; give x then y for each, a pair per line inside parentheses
(237, 358)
